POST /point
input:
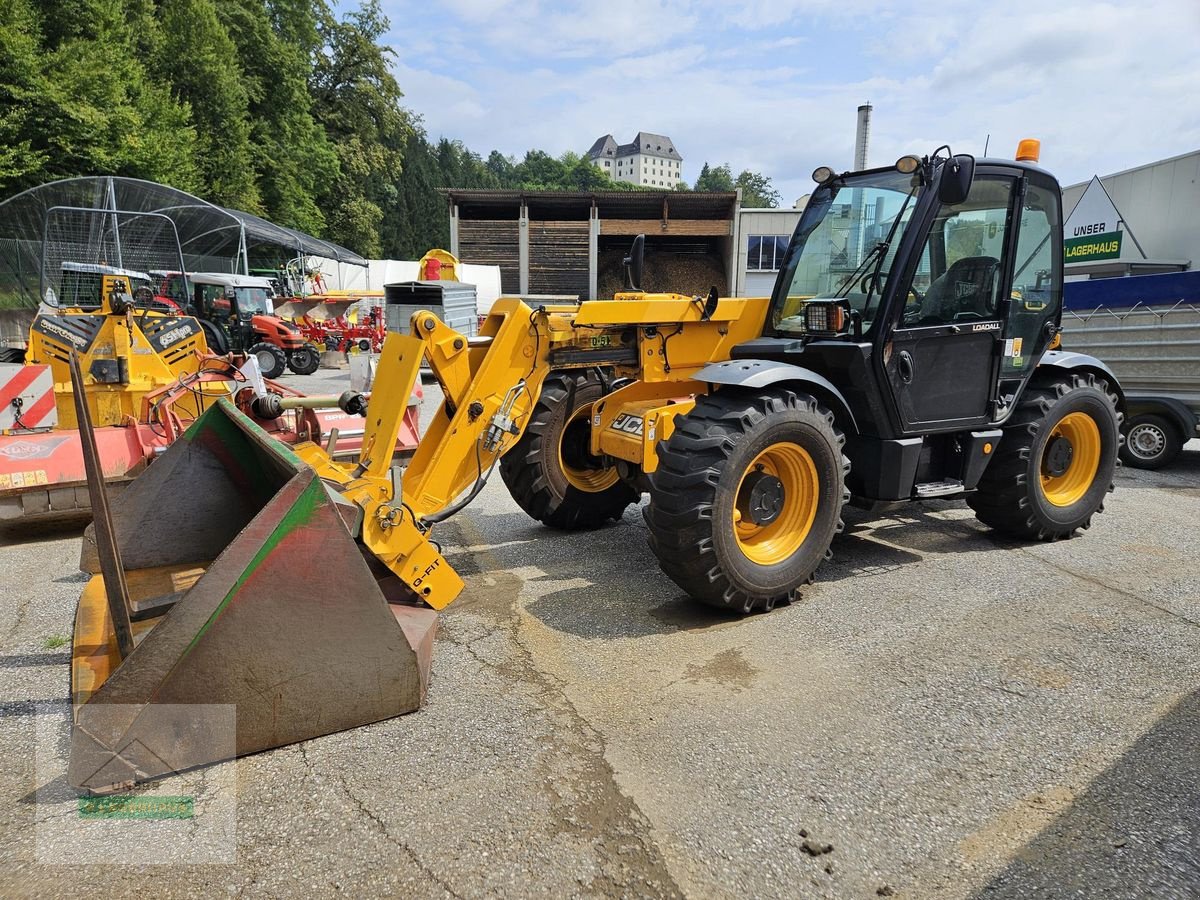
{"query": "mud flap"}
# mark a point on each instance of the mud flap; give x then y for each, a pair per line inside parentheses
(247, 589)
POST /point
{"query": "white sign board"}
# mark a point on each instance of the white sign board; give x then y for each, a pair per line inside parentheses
(1094, 230)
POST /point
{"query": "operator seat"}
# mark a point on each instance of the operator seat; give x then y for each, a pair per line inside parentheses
(967, 286)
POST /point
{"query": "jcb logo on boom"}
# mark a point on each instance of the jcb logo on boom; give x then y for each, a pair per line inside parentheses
(627, 424)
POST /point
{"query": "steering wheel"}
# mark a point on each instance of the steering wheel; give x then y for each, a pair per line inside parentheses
(870, 282)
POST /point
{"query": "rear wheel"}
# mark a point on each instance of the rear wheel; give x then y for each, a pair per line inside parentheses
(214, 337)
(272, 361)
(305, 360)
(12, 355)
(1054, 463)
(550, 472)
(747, 497)
(1151, 442)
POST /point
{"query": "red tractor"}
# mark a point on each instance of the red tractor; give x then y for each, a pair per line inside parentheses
(238, 316)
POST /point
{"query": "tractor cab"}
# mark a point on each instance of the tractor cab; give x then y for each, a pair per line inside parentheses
(931, 289)
(238, 315)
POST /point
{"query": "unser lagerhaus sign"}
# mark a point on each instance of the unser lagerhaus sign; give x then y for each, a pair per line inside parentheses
(1092, 232)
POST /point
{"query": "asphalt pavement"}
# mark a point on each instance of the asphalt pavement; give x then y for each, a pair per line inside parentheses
(944, 713)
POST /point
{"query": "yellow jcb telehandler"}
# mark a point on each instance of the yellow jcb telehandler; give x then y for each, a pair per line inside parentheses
(906, 353)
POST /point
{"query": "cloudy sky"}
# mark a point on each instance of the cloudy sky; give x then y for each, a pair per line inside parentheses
(773, 86)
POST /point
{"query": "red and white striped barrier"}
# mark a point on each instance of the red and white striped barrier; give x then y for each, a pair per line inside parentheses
(26, 398)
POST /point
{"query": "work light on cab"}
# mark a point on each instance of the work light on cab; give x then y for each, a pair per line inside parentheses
(906, 165)
(826, 317)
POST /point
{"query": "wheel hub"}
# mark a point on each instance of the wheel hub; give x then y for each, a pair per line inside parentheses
(1057, 458)
(761, 499)
(1146, 441)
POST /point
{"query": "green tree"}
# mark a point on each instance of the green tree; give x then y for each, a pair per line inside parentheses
(420, 219)
(503, 167)
(291, 155)
(757, 190)
(61, 114)
(357, 101)
(23, 85)
(719, 178)
(200, 61)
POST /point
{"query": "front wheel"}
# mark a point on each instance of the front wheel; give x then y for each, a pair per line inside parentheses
(747, 497)
(1055, 461)
(1151, 442)
(305, 360)
(272, 361)
(551, 472)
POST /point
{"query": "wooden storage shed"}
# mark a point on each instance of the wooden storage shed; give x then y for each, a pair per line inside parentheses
(568, 243)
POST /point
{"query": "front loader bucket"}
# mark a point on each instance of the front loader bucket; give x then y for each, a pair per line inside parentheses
(246, 588)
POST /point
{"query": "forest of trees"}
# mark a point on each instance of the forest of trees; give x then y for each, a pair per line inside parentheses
(284, 108)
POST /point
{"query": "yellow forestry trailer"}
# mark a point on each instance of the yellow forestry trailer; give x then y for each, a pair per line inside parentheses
(907, 352)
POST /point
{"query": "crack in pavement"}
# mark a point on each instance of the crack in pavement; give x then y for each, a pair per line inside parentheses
(578, 780)
(1107, 586)
(408, 851)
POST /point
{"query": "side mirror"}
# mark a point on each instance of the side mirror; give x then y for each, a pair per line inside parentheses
(634, 263)
(957, 174)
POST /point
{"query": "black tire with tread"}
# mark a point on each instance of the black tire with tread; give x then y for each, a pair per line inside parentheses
(531, 470)
(1009, 496)
(12, 355)
(699, 470)
(217, 342)
(1172, 442)
(280, 358)
(304, 361)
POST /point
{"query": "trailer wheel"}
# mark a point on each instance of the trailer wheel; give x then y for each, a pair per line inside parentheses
(550, 472)
(305, 360)
(1054, 463)
(271, 359)
(747, 497)
(1151, 442)
(12, 355)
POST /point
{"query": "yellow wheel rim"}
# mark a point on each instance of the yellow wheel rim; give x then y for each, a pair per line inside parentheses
(1070, 459)
(786, 515)
(590, 480)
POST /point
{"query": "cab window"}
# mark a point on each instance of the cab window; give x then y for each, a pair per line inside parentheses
(1035, 300)
(958, 276)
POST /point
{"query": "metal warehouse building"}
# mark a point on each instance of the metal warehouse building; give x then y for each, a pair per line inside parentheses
(1135, 222)
(572, 243)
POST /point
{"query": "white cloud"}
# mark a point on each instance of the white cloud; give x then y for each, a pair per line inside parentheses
(773, 87)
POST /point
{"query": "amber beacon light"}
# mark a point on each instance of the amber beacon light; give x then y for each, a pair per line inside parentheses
(1029, 150)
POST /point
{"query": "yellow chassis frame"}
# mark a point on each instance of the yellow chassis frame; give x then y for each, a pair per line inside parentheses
(490, 385)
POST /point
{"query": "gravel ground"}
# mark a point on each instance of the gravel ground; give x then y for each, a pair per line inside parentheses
(943, 714)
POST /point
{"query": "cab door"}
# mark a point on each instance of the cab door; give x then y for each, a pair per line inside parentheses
(942, 357)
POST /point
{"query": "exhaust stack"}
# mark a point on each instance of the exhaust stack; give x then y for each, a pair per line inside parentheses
(862, 137)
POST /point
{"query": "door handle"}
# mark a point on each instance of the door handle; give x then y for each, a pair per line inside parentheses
(904, 365)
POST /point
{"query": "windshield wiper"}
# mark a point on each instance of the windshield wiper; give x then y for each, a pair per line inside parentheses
(885, 243)
(844, 287)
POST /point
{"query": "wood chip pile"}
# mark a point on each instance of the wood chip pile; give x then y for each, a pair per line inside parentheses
(683, 273)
